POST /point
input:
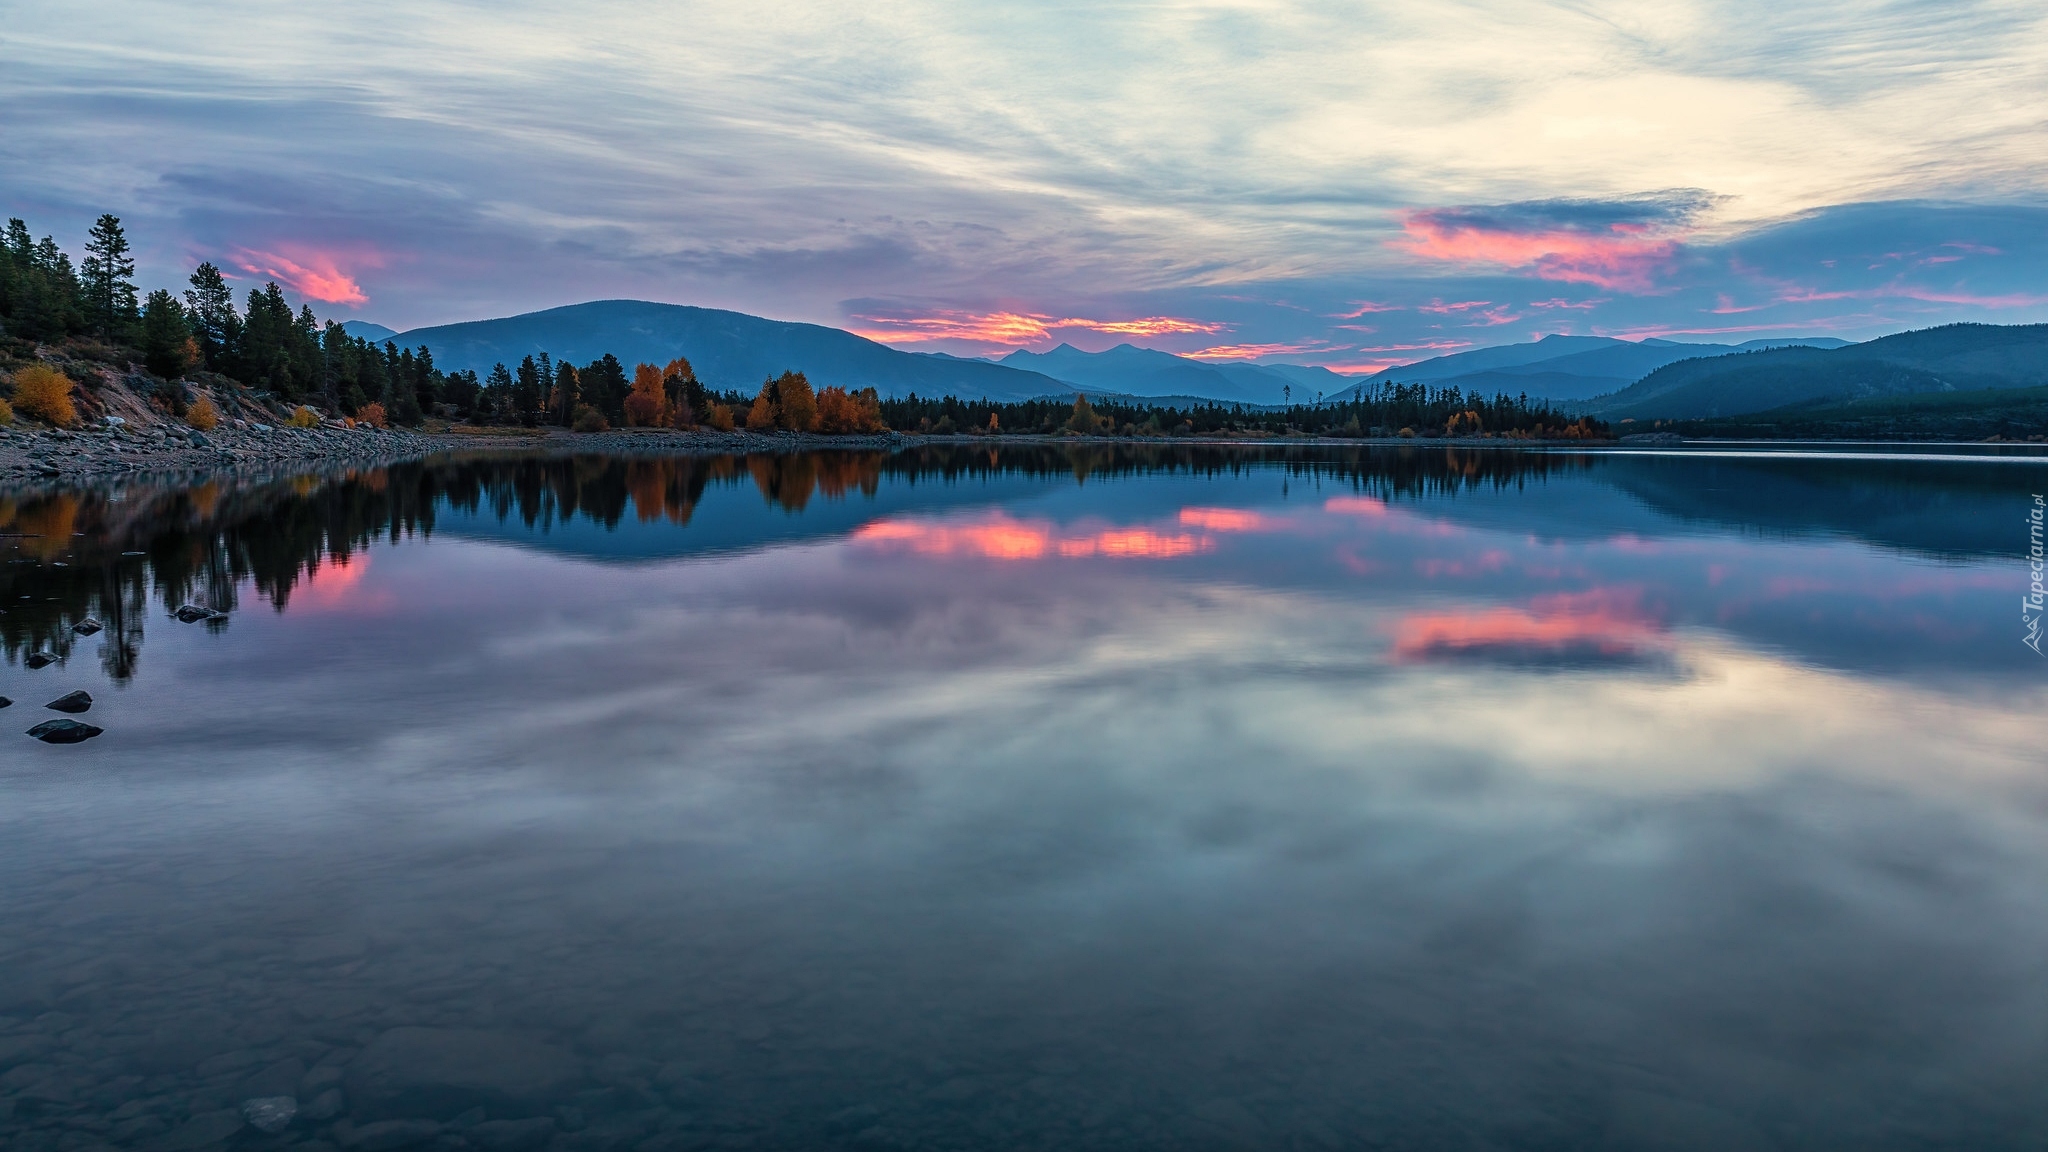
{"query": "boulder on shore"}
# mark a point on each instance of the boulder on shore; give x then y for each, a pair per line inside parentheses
(64, 732)
(443, 1072)
(79, 701)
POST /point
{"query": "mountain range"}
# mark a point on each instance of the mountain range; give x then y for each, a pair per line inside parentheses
(1565, 368)
(1950, 359)
(1601, 375)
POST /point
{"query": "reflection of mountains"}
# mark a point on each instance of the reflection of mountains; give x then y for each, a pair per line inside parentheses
(79, 554)
(1947, 509)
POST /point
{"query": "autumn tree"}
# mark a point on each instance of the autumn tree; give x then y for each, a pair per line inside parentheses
(647, 404)
(45, 393)
(762, 416)
(796, 404)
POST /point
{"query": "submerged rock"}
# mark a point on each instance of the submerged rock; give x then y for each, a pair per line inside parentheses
(39, 659)
(87, 626)
(443, 1072)
(193, 614)
(64, 731)
(271, 1114)
(79, 701)
(5, 702)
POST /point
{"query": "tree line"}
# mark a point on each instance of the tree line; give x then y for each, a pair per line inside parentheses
(294, 358)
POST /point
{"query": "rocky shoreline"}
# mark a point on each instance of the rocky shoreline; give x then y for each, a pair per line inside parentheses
(102, 453)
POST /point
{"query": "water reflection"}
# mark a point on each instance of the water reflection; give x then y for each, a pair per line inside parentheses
(1172, 799)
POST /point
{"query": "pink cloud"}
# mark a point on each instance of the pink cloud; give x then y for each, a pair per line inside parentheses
(317, 275)
(1254, 351)
(1624, 256)
(1017, 329)
(1364, 308)
(1608, 621)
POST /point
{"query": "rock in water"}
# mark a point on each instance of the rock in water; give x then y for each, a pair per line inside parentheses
(79, 701)
(87, 626)
(193, 613)
(39, 659)
(5, 702)
(444, 1072)
(271, 1114)
(64, 732)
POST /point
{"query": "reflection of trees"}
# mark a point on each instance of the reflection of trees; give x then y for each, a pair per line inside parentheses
(210, 543)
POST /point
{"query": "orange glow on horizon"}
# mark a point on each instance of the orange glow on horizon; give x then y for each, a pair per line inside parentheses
(1017, 329)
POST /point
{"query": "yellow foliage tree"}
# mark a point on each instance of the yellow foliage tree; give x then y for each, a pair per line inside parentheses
(202, 415)
(720, 418)
(45, 393)
(797, 404)
(647, 403)
(761, 417)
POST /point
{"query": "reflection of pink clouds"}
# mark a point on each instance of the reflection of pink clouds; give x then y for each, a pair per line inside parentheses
(1356, 505)
(1227, 520)
(315, 274)
(999, 537)
(336, 587)
(1607, 621)
(1623, 257)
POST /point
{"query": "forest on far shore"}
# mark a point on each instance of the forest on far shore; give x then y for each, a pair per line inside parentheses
(62, 323)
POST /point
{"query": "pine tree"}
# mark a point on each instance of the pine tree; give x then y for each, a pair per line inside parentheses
(108, 275)
(210, 304)
(167, 345)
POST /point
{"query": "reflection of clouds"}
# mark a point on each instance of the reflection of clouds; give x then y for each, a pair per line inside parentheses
(1606, 621)
(999, 536)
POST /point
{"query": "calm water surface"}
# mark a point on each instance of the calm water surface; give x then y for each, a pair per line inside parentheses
(1040, 799)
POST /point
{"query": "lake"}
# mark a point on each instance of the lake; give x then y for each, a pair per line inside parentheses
(1065, 798)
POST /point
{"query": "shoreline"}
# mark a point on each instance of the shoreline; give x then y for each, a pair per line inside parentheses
(97, 455)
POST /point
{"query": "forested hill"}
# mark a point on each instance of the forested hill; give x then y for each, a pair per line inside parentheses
(1953, 358)
(729, 350)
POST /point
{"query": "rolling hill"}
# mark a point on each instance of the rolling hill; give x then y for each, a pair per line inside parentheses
(1568, 367)
(1126, 370)
(728, 350)
(1952, 358)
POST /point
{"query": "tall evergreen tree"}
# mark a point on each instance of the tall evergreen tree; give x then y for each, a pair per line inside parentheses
(108, 276)
(526, 394)
(210, 304)
(167, 345)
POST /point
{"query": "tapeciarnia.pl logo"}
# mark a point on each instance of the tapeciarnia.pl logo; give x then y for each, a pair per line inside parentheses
(2037, 597)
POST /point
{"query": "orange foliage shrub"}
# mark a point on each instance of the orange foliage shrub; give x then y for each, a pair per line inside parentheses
(304, 417)
(720, 418)
(373, 415)
(6, 412)
(45, 393)
(202, 415)
(761, 417)
(840, 413)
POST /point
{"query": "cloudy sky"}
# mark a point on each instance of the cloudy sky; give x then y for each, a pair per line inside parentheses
(1351, 184)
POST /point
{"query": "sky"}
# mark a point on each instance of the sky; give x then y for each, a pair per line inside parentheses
(1347, 184)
